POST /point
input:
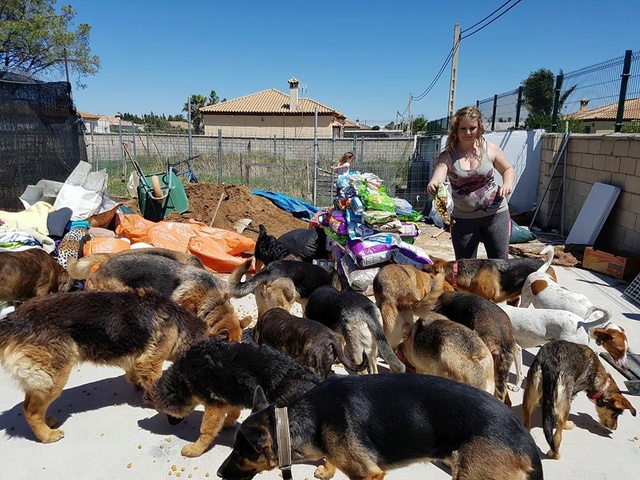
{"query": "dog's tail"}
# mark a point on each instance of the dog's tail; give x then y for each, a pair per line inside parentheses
(604, 315)
(549, 251)
(423, 307)
(550, 379)
(386, 352)
(348, 364)
(81, 268)
(238, 288)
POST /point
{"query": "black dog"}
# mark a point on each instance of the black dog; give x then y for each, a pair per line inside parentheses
(310, 343)
(358, 320)
(223, 376)
(366, 425)
(269, 249)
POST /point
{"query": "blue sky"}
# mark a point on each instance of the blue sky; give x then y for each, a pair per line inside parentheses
(363, 58)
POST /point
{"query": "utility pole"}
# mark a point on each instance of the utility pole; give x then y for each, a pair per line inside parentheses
(454, 70)
(409, 117)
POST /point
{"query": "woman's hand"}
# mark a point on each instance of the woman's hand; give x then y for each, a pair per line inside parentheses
(505, 190)
(432, 188)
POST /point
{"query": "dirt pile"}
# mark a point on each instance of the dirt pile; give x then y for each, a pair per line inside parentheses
(237, 203)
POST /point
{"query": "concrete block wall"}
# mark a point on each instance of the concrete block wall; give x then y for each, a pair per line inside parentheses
(613, 159)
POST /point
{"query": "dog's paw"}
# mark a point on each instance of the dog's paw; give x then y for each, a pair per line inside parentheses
(192, 450)
(52, 436)
(513, 387)
(552, 454)
(569, 425)
(323, 473)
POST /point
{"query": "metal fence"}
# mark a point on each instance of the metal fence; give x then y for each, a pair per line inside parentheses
(615, 81)
(286, 165)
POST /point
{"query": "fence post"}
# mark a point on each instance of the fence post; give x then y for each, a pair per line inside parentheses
(219, 155)
(556, 102)
(626, 69)
(493, 115)
(518, 106)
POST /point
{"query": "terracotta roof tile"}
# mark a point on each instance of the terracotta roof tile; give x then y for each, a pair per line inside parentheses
(610, 112)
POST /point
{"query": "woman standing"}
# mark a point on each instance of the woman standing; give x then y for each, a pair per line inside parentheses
(480, 207)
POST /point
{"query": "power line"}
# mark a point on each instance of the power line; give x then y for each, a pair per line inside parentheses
(488, 16)
(489, 23)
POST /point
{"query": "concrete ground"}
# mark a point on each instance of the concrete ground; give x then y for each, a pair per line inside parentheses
(110, 434)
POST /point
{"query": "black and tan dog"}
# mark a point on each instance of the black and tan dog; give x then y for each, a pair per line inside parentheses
(491, 324)
(269, 249)
(358, 321)
(494, 279)
(559, 372)
(299, 278)
(82, 268)
(195, 289)
(310, 343)
(31, 273)
(223, 376)
(47, 336)
(366, 425)
(402, 294)
(438, 346)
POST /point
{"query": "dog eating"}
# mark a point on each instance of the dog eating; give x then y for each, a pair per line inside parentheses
(367, 425)
(222, 376)
(560, 371)
(47, 336)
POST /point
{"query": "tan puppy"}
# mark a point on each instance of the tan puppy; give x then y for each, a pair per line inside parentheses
(438, 346)
(402, 293)
(31, 273)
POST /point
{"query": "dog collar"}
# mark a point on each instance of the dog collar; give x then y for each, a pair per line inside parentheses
(283, 438)
(600, 392)
(454, 284)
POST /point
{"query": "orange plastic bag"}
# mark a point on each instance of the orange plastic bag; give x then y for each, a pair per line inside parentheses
(106, 245)
(220, 250)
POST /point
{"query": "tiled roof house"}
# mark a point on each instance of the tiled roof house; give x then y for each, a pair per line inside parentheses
(272, 113)
(603, 119)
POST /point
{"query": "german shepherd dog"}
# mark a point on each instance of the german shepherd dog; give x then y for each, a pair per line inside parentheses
(348, 421)
(223, 376)
(47, 336)
(494, 279)
(358, 321)
(82, 268)
(439, 346)
(310, 343)
(559, 372)
(305, 278)
(402, 293)
(31, 273)
(195, 289)
(491, 324)
(269, 249)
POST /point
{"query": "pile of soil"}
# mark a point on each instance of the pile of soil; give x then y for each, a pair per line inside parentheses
(237, 203)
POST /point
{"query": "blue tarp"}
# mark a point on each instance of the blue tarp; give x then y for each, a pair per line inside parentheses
(295, 207)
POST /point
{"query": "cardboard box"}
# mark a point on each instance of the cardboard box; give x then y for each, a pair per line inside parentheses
(613, 265)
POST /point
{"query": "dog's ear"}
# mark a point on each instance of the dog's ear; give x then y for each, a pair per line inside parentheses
(619, 401)
(259, 400)
(600, 335)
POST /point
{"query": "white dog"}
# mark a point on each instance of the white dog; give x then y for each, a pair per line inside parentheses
(541, 291)
(533, 327)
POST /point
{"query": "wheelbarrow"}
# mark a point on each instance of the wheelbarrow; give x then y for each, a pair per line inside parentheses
(160, 193)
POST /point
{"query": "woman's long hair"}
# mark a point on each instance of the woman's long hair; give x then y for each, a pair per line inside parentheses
(465, 112)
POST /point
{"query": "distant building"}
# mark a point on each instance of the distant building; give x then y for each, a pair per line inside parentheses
(603, 119)
(94, 123)
(272, 113)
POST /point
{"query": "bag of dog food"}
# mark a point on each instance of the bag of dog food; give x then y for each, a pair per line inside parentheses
(403, 207)
(373, 249)
(338, 222)
(376, 198)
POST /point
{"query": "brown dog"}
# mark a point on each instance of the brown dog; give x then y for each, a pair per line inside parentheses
(559, 372)
(491, 324)
(439, 346)
(494, 279)
(402, 293)
(31, 273)
(46, 337)
(195, 289)
(310, 343)
(82, 268)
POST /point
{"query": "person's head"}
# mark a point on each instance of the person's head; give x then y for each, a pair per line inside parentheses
(466, 124)
(346, 158)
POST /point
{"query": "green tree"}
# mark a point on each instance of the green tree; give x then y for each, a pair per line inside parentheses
(419, 124)
(197, 102)
(390, 126)
(35, 39)
(539, 93)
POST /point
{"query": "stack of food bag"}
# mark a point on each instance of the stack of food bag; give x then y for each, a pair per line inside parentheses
(367, 229)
